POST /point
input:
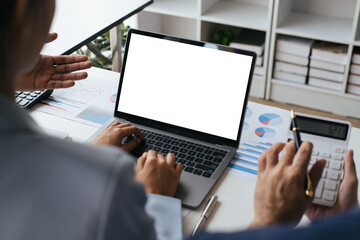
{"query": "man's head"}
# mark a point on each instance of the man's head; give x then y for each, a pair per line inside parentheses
(24, 25)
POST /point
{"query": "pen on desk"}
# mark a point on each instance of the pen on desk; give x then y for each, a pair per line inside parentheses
(205, 214)
(309, 191)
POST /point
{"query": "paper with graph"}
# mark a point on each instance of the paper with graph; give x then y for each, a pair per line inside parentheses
(263, 126)
(90, 101)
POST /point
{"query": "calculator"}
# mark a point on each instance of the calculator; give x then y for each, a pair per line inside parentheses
(330, 139)
(28, 99)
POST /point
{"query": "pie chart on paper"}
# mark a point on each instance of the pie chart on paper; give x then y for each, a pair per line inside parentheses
(270, 119)
(264, 132)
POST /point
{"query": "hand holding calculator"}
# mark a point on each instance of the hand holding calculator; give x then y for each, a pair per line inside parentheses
(330, 138)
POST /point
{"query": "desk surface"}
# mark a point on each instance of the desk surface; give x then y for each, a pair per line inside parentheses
(235, 208)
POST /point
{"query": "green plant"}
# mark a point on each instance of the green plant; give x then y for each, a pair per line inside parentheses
(100, 45)
(223, 37)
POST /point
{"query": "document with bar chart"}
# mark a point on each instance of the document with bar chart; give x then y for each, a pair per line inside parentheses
(263, 126)
(90, 101)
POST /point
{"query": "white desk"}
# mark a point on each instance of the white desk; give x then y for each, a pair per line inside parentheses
(235, 208)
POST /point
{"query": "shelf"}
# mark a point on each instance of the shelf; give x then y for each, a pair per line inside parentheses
(316, 98)
(180, 8)
(258, 86)
(167, 24)
(238, 14)
(356, 43)
(326, 28)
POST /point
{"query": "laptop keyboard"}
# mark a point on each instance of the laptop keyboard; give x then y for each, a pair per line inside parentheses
(197, 159)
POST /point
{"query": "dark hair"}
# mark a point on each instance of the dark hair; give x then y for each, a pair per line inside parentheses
(8, 27)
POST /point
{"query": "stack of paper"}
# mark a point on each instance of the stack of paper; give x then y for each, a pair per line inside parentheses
(292, 59)
(327, 65)
(254, 41)
(354, 77)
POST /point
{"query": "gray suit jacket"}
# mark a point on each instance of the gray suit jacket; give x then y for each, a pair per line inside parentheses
(52, 189)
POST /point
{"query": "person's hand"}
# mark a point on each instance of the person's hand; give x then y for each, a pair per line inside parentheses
(347, 198)
(53, 72)
(159, 175)
(279, 194)
(115, 134)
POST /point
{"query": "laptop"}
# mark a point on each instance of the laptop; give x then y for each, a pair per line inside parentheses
(188, 98)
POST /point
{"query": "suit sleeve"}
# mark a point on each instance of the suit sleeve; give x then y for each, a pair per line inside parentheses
(126, 217)
(345, 227)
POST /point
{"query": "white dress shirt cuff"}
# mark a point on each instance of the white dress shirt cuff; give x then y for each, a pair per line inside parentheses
(166, 212)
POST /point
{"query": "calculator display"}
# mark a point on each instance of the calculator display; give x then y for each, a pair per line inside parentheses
(322, 127)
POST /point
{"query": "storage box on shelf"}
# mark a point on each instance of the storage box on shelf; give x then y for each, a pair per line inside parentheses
(199, 19)
(333, 21)
(327, 65)
(292, 59)
(354, 77)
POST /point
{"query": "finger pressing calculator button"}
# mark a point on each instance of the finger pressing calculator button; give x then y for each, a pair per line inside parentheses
(331, 185)
(325, 155)
(329, 196)
(333, 175)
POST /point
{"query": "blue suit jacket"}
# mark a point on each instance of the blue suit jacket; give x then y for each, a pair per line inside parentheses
(342, 227)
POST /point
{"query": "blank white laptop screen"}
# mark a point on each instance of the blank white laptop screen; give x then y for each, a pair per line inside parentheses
(194, 87)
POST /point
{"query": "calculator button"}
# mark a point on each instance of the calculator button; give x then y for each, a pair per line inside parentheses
(23, 102)
(333, 175)
(327, 164)
(33, 94)
(29, 98)
(37, 92)
(331, 185)
(26, 93)
(329, 196)
(338, 157)
(22, 96)
(18, 99)
(319, 188)
(325, 155)
(339, 150)
(315, 153)
(324, 173)
(335, 165)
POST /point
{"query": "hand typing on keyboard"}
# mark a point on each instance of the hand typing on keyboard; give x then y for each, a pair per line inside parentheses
(159, 175)
(117, 132)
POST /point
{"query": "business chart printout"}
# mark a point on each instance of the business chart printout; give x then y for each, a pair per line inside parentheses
(263, 126)
(90, 101)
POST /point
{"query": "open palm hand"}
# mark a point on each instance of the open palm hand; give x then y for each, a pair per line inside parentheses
(54, 72)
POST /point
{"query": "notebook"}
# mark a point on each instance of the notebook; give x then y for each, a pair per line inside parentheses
(188, 98)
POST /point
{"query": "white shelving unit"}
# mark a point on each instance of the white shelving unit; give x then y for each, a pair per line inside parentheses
(334, 21)
(199, 19)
